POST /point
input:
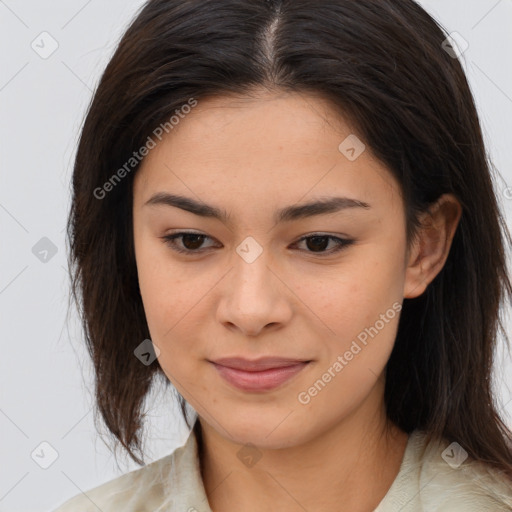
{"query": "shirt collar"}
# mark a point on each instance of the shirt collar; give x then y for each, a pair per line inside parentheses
(185, 489)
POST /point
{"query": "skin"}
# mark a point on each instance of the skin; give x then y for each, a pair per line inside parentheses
(252, 156)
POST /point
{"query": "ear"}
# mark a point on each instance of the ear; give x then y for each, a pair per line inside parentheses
(431, 246)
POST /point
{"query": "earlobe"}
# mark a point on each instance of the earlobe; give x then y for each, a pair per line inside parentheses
(432, 244)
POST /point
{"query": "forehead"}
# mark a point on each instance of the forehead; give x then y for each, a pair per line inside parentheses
(273, 147)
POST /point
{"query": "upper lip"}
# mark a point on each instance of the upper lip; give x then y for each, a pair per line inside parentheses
(264, 363)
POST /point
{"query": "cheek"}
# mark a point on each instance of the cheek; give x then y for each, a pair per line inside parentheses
(161, 290)
(364, 314)
(172, 305)
(355, 294)
(167, 308)
(162, 285)
(361, 304)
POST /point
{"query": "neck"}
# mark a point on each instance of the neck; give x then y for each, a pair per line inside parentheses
(347, 466)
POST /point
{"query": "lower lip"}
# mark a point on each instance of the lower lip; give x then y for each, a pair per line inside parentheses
(261, 380)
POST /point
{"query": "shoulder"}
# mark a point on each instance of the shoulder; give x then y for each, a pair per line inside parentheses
(438, 476)
(171, 480)
(455, 479)
(141, 489)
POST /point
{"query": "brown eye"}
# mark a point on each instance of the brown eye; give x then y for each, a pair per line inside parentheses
(190, 242)
(318, 243)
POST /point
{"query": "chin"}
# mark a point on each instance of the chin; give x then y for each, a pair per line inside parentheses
(279, 429)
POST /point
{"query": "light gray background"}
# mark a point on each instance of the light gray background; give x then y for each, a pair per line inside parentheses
(46, 378)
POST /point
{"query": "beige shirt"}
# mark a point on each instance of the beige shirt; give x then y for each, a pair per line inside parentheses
(430, 479)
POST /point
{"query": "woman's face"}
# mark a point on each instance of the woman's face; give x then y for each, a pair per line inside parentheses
(250, 287)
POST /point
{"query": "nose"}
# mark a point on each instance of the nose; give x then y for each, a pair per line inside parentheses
(254, 297)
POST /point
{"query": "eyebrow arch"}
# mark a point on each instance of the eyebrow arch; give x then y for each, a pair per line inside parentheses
(321, 206)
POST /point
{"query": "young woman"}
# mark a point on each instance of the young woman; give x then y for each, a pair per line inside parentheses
(285, 210)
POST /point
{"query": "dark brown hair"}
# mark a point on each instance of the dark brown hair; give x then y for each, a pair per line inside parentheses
(381, 62)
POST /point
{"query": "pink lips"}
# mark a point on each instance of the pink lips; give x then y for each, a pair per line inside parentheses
(258, 375)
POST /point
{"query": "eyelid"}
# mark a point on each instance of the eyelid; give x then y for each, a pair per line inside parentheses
(170, 237)
(343, 243)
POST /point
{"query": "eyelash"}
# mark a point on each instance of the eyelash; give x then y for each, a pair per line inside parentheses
(343, 243)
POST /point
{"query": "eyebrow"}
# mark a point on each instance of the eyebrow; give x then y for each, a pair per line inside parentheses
(321, 206)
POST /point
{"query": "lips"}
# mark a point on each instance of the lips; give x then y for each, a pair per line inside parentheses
(258, 375)
(264, 363)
